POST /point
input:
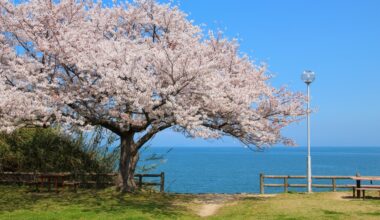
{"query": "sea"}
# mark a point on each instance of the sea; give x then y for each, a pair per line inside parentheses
(237, 169)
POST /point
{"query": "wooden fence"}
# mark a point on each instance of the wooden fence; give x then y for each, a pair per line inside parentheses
(85, 180)
(161, 184)
(286, 185)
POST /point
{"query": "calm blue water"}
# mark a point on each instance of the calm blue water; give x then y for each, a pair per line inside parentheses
(236, 170)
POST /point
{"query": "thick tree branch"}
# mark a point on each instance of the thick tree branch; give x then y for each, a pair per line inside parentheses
(150, 134)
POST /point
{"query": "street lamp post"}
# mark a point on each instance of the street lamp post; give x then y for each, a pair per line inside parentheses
(308, 77)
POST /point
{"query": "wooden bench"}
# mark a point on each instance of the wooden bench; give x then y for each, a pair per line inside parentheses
(74, 184)
(367, 188)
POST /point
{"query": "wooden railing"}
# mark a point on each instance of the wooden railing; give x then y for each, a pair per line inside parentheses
(161, 184)
(84, 179)
(286, 185)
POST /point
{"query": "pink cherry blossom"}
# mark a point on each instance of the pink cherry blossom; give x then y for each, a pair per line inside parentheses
(136, 69)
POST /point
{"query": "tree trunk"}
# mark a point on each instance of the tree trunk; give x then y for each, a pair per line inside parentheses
(128, 160)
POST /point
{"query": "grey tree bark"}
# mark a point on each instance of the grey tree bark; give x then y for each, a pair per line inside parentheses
(129, 157)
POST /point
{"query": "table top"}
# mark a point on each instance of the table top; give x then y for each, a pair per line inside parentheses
(54, 175)
(374, 178)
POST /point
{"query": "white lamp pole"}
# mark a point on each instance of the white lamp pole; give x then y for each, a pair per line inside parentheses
(308, 77)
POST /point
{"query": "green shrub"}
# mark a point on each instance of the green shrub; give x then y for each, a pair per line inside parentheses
(50, 150)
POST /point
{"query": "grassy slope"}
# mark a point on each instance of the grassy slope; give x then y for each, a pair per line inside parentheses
(303, 206)
(17, 203)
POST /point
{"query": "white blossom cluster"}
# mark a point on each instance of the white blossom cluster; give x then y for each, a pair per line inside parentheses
(136, 67)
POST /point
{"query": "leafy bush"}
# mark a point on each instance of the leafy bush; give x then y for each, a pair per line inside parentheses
(50, 150)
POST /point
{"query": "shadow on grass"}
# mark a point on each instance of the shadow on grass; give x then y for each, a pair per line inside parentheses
(96, 201)
(374, 198)
(256, 199)
(331, 212)
(15, 198)
(377, 213)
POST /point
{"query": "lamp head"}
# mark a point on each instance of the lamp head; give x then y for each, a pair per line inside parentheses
(308, 76)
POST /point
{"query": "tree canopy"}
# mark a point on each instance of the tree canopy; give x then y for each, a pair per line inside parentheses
(136, 69)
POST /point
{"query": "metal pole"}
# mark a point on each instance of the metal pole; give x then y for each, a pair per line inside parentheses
(308, 141)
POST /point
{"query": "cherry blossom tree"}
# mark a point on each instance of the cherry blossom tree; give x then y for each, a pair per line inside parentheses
(136, 69)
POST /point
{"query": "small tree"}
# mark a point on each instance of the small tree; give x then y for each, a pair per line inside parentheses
(136, 69)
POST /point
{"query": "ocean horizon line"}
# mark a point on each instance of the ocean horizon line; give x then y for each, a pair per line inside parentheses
(270, 147)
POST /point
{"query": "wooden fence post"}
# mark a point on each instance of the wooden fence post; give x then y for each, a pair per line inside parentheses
(261, 183)
(140, 181)
(97, 180)
(286, 184)
(334, 184)
(358, 185)
(162, 183)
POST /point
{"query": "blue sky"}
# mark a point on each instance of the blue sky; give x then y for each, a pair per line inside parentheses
(338, 39)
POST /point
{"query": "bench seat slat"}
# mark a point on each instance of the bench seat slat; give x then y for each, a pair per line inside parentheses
(374, 189)
(371, 186)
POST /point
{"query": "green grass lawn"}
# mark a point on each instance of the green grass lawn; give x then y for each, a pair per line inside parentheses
(19, 203)
(303, 206)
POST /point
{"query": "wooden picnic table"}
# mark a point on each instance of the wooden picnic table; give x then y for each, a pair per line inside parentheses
(56, 178)
(359, 180)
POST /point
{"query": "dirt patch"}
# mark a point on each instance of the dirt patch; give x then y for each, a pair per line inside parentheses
(209, 209)
(341, 196)
(209, 204)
